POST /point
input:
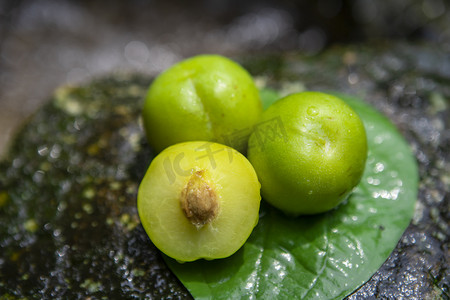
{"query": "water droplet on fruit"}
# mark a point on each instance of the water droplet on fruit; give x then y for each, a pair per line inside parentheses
(312, 111)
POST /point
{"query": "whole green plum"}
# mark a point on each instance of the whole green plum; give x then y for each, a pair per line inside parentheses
(207, 98)
(309, 152)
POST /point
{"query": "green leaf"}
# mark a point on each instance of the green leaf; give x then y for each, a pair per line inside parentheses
(325, 256)
(268, 96)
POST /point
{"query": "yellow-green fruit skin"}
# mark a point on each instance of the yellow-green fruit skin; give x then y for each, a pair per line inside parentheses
(206, 97)
(315, 155)
(238, 192)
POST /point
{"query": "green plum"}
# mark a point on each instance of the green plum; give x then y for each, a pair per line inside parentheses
(199, 200)
(309, 152)
(206, 97)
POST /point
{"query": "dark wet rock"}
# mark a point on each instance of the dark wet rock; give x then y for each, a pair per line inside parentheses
(68, 222)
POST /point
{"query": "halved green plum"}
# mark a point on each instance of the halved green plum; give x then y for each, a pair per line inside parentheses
(199, 200)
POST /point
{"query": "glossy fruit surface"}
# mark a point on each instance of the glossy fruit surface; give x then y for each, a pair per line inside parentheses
(206, 97)
(309, 152)
(199, 200)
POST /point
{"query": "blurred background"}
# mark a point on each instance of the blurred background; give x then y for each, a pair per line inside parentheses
(45, 43)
